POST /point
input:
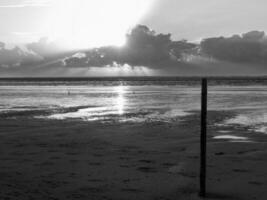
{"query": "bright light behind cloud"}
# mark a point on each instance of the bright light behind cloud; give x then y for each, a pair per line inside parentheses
(92, 23)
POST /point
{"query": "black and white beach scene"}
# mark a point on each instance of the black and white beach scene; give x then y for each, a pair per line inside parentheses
(133, 100)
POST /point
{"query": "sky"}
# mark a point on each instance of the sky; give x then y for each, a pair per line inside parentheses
(197, 19)
(49, 32)
(28, 20)
(73, 23)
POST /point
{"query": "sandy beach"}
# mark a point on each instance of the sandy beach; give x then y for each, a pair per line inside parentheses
(68, 159)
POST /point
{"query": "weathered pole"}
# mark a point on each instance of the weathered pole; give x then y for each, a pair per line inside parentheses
(203, 138)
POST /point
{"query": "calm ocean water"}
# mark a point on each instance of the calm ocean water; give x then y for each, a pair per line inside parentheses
(133, 100)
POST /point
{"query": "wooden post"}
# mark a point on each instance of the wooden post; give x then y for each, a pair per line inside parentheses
(203, 139)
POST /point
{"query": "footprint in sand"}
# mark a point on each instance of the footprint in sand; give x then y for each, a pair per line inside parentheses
(147, 169)
(147, 161)
(98, 155)
(95, 180)
(168, 164)
(134, 190)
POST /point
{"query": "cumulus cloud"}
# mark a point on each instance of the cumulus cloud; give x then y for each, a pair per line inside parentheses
(16, 56)
(76, 60)
(38, 53)
(143, 48)
(45, 48)
(250, 47)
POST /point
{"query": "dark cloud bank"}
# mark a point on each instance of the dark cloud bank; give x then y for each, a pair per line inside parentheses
(250, 47)
(236, 55)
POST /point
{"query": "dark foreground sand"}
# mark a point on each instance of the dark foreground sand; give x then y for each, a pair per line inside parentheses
(45, 159)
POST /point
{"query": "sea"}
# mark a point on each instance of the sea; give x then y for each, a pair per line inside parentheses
(134, 100)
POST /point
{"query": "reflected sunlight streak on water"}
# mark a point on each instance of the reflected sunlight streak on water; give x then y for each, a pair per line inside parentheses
(120, 100)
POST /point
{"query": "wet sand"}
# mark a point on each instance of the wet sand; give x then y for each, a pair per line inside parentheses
(60, 160)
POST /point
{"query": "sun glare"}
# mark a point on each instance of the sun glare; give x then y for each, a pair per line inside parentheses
(93, 23)
(120, 100)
